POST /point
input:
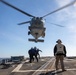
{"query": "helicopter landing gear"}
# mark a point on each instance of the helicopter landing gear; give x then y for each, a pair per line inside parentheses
(43, 35)
(29, 32)
(34, 40)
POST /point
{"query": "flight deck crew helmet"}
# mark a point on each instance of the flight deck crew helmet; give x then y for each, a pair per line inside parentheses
(58, 41)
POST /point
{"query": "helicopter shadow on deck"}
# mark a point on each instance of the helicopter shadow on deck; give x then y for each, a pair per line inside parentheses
(51, 73)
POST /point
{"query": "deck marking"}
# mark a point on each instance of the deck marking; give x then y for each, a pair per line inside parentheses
(42, 70)
(18, 67)
(43, 67)
(33, 70)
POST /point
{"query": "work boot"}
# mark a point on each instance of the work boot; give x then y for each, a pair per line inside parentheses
(63, 70)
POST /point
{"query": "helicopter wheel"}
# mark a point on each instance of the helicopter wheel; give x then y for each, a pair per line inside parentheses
(29, 33)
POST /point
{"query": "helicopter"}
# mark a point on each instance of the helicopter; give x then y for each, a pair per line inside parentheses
(36, 28)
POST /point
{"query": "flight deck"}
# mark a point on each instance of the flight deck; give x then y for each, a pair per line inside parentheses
(45, 66)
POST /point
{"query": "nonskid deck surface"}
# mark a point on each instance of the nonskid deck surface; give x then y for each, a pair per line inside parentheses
(45, 66)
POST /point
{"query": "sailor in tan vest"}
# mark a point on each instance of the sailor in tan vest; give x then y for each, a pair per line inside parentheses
(59, 53)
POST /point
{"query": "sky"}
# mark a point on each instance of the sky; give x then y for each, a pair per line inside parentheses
(14, 38)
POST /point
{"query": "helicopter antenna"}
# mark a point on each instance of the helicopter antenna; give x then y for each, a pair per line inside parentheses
(16, 8)
(60, 8)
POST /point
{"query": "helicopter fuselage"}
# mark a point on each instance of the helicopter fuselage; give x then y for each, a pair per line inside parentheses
(37, 28)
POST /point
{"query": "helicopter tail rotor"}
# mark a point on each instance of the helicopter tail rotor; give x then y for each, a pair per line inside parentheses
(23, 22)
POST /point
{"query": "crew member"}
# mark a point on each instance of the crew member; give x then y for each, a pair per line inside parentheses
(32, 53)
(59, 53)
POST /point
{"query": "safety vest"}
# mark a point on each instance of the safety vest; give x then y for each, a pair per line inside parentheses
(60, 49)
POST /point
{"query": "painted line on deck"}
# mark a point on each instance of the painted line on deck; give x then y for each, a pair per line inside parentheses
(33, 70)
(71, 69)
(41, 70)
(43, 67)
(18, 67)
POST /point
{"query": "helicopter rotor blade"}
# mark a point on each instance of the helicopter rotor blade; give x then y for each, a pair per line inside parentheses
(24, 23)
(56, 24)
(6, 3)
(60, 8)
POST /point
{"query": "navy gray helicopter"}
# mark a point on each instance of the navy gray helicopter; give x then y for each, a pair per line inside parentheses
(36, 28)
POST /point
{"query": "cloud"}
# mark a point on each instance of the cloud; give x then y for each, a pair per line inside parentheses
(72, 28)
(61, 3)
(66, 13)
